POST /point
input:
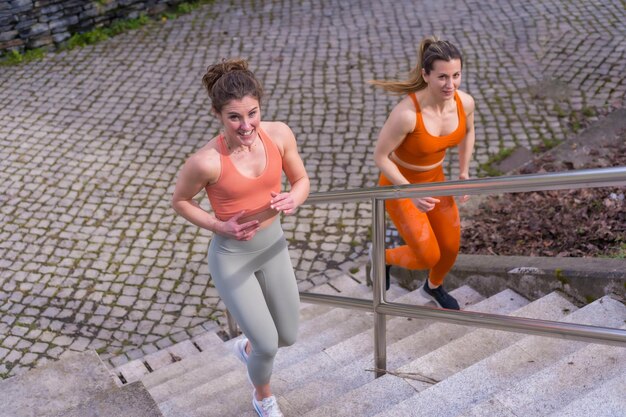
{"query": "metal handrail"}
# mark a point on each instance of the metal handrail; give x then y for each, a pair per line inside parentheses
(589, 178)
(584, 178)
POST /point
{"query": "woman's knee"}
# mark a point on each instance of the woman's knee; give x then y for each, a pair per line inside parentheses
(287, 340)
(265, 350)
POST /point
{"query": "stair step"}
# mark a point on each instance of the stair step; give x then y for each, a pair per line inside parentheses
(132, 400)
(607, 400)
(476, 345)
(186, 375)
(365, 400)
(416, 345)
(527, 356)
(452, 356)
(187, 382)
(362, 344)
(327, 329)
(55, 387)
(326, 385)
(556, 386)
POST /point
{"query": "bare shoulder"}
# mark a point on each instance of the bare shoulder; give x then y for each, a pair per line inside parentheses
(403, 115)
(205, 162)
(277, 130)
(280, 133)
(468, 102)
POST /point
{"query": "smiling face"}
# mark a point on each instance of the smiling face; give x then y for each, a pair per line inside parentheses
(240, 119)
(444, 79)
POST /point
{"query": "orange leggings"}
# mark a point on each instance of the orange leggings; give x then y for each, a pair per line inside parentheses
(432, 238)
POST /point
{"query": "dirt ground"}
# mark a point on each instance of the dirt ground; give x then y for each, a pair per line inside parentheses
(589, 222)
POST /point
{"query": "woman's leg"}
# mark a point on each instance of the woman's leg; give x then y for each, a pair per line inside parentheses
(422, 249)
(242, 295)
(260, 291)
(446, 225)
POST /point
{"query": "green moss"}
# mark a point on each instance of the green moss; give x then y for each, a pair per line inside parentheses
(558, 273)
(559, 111)
(590, 298)
(354, 270)
(588, 111)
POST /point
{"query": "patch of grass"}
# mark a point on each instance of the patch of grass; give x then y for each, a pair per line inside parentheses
(96, 35)
(588, 111)
(618, 253)
(184, 8)
(559, 111)
(546, 145)
(15, 58)
(487, 169)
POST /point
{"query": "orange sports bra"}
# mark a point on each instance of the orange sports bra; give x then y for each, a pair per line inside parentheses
(423, 149)
(234, 192)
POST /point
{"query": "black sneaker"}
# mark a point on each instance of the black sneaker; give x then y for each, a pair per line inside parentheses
(440, 297)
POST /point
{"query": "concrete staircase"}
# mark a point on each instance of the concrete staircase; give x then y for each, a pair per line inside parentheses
(78, 385)
(435, 369)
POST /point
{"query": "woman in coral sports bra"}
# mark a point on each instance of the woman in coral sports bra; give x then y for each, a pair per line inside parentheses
(241, 171)
(434, 115)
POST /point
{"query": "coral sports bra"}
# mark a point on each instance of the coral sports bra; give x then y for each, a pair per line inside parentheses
(234, 192)
(423, 149)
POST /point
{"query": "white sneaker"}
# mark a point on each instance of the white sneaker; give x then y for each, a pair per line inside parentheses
(267, 407)
(239, 349)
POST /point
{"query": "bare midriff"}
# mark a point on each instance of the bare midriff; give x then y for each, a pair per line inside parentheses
(265, 217)
(412, 167)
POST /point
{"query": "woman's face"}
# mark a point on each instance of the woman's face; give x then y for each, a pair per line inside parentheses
(444, 79)
(240, 119)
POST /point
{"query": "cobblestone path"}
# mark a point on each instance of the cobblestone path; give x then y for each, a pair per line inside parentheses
(91, 140)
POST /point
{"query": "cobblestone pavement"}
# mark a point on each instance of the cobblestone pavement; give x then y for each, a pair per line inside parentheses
(91, 140)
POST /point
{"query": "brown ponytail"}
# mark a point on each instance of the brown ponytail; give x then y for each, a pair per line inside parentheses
(431, 49)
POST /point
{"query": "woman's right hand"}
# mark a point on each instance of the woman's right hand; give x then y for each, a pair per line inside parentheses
(233, 229)
(425, 204)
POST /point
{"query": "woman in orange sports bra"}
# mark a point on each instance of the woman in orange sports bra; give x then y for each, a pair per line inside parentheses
(433, 116)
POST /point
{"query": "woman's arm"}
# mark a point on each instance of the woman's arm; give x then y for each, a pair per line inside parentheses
(294, 169)
(400, 123)
(466, 147)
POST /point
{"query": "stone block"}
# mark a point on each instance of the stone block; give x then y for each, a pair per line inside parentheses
(519, 157)
(16, 5)
(7, 36)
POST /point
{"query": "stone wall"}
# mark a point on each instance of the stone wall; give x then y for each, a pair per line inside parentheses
(28, 24)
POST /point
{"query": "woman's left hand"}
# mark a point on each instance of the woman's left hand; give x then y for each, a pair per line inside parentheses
(283, 202)
(464, 198)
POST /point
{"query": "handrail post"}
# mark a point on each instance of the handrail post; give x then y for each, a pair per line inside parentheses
(233, 328)
(378, 285)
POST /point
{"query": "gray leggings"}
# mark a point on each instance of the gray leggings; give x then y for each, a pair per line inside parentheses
(256, 282)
